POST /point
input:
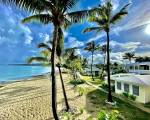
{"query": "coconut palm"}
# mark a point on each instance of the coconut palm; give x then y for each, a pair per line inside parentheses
(92, 47)
(45, 58)
(58, 13)
(129, 56)
(105, 18)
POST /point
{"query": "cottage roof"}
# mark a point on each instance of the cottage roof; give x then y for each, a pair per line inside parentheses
(132, 78)
(93, 69)
(139, 63)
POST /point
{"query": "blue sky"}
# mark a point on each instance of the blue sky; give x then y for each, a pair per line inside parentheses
(18, 41)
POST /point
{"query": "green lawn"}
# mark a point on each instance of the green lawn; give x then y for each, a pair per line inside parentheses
(147, 105)
(95, 102)
(97, 80)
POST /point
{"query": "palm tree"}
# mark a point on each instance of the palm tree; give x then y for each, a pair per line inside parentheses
(129, 56)
(57, 13)
(92, 47)
(46, 59)
(105, 18)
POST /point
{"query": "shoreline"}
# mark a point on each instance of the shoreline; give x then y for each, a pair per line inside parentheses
(27, 78)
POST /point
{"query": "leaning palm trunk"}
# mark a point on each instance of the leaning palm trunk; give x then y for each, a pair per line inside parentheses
(63, 88)
(92, 67)
(108, 71)
(53, 74)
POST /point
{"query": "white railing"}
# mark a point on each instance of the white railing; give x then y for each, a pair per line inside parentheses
(140, 71)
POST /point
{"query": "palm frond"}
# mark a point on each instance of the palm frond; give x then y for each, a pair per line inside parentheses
(43, 45)
(36, 59)
(69, 3)
(43, 18)
(92, 29)
(118, 16)
(67, 23)
(32, 6)
(79, 16)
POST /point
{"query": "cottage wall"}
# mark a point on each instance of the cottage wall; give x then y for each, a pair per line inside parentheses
(143, 97)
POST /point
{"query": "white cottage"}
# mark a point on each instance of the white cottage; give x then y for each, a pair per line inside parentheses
(142, 68)
(137, 85)
(96, 71)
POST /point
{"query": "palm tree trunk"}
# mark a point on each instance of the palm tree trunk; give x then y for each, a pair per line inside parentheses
(53, 74)
(108, 71)
(92, 67)
(103, 67)
(63, 88)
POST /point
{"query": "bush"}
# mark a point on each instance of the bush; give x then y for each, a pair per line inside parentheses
(132, 97)
(104, 86)
(77, 82)
(126, 94)
(113, 115)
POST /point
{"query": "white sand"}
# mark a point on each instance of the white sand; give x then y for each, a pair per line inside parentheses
(30, 99)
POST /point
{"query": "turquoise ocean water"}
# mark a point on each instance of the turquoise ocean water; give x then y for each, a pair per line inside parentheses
(12, 72)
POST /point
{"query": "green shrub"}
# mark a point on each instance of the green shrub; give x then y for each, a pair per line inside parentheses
(104, 86)
(126, 94)
(132, 97)
(113, 115)
(77, 82)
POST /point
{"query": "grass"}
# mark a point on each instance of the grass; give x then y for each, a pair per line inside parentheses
(97, 80)
(76, 82)
(147, 105)
(95, 103)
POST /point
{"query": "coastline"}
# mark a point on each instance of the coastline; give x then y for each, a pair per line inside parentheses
(3, 82)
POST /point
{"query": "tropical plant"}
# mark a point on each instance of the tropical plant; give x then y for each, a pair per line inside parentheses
(73, 61)
(105, 18)
(92, 47)
(132, 97)
(45, 59)
(126, 94)
(58, 13)
(129, 56)
(113, 115)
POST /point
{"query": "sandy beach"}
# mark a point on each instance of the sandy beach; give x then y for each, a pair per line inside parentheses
(30, 99)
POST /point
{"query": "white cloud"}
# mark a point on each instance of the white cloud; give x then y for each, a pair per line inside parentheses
(65, 34)
(73, 42)
(100, 35)
(28, 40)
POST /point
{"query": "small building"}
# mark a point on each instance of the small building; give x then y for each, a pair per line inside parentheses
(96, 71)
(137, 85)
(142, 68)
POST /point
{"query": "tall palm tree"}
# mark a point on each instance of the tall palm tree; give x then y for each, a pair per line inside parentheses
(92, 47)
(46, 59)
(58, 13)
(105, 18)
(129, 56)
